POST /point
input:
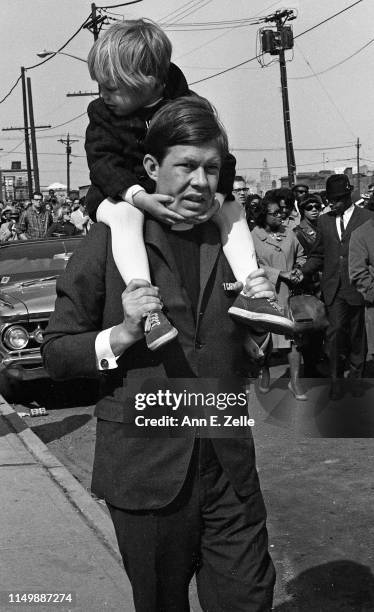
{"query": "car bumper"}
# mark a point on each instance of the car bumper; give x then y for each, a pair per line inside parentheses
(26, 366)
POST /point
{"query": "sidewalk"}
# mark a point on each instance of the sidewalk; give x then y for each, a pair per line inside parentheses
(54, 538)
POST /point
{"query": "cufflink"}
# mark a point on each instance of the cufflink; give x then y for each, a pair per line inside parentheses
(104, 364)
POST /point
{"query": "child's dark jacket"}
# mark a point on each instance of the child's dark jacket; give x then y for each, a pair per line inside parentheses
(114, 147)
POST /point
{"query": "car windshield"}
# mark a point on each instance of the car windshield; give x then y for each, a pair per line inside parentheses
(24, 261)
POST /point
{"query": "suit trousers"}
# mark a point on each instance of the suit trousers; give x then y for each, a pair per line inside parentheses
(346, 337)
(208, 530)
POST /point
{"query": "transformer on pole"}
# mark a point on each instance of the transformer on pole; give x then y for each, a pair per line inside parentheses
(276, 42)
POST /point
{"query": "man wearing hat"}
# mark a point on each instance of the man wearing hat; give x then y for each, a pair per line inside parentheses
(345, 305)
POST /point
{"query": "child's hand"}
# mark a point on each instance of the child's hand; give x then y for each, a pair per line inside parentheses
(157, 205)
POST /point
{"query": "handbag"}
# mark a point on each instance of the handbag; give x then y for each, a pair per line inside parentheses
(307, 312)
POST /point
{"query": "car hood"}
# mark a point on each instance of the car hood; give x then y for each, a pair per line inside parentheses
(25, 301)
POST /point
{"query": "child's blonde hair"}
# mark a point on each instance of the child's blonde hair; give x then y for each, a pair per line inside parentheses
(133, 53)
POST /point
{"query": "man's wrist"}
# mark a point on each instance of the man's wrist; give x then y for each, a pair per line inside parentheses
(121, 339)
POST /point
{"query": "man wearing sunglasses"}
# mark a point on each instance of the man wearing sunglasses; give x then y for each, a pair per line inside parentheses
(345, 305)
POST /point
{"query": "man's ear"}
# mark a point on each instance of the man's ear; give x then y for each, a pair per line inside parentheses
(151, 166)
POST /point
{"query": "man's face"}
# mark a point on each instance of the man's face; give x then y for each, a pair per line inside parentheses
(300, 191)
(37, 201)
(285, 209)
(240, 191)
(122, 101)
(340, 204)
(189, 174)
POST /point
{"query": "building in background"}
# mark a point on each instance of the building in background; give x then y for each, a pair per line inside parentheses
(266, 181)
(14, 183)
(316, 180)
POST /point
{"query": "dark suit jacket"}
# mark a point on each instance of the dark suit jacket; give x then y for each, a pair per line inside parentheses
(361, 260)
(330, 255)
(147, 473)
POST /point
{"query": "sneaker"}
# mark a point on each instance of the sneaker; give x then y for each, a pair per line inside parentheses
(158, 330)
(264, 313)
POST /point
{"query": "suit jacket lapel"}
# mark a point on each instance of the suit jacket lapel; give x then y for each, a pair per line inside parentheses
(209, 251)
(154, 238)
(353, 219)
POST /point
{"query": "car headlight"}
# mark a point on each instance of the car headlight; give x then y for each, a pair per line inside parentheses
(37, 335)
(16, 337)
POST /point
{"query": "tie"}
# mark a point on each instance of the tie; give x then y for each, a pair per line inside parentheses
(342, 228)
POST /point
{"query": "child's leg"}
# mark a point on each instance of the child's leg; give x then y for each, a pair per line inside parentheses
(236, 239)
(240, 253)
(126, 224)
(130, 256)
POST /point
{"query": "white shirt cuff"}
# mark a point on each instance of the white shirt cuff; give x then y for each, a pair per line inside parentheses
(131, 192)
(105, 358)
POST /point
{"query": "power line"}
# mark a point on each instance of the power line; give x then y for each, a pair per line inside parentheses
(309, 76)
(253, 149)
(327, 93)
(328, 19)
(61, 48)
(10, 91)
(122, 4)
(217, 37)
(65, 122)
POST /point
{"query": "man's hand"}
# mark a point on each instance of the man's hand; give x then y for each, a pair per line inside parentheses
(258, 285)
(158, 206)
(138, 299)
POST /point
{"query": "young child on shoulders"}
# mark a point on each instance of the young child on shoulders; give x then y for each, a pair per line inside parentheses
(131, 62)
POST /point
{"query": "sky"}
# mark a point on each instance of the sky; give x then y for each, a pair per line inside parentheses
(329, 78)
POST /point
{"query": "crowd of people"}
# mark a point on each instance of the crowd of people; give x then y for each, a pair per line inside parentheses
(318, 244)
(43, 217)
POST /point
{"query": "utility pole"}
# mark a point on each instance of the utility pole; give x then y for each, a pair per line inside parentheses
(67, 142)
(26, 128)
(358, 165)
(276, 42)
(33, 138)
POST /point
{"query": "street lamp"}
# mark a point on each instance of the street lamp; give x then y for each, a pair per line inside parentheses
(45, 53)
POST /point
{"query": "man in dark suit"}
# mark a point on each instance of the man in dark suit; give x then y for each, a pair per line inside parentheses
(345, 306)
(187, 504)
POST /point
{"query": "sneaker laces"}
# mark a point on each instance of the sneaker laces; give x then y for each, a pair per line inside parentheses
(274, 304)
(152, 321)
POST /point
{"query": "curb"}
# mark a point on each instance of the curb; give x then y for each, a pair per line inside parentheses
(90, 510)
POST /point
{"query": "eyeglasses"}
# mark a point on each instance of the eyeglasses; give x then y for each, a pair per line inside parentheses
(309, 207)
(244, 189)
(276, 213)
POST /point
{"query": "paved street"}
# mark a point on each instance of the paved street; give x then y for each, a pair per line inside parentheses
(318, 491)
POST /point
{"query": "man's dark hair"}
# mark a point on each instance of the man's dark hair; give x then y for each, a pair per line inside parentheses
(239, 178)
(190, 120)
(296, 187)
(37, 193)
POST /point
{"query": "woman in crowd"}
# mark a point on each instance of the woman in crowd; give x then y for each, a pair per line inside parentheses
(311, 345)
(280, 253)
(251, 206)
